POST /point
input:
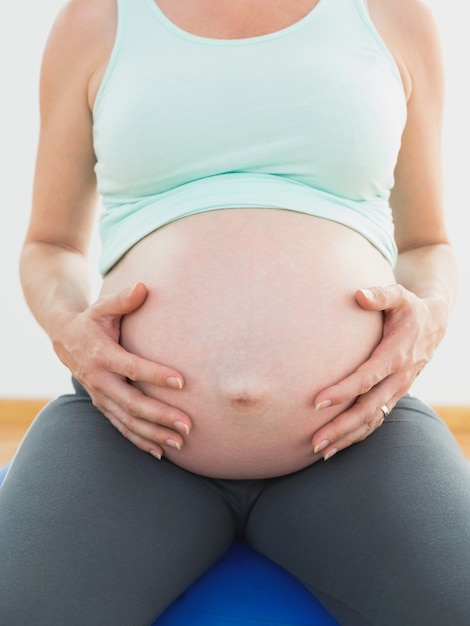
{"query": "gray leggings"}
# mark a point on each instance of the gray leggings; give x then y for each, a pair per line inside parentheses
(95, 532)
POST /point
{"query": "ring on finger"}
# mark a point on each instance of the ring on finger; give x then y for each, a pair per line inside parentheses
(385, 410)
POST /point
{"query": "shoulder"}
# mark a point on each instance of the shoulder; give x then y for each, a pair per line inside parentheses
(82, 22)
(404, 17)
(92, 15)
(80, 41)
(410, 30)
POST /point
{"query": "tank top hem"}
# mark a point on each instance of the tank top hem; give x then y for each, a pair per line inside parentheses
(240, 190)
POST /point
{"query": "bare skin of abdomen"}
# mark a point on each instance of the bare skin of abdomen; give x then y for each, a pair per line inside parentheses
(256, 309)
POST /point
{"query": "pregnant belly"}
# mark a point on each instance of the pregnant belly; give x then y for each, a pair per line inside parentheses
(256, 309)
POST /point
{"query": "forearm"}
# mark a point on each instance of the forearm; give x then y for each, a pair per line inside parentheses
(55, 283)
(430, 272)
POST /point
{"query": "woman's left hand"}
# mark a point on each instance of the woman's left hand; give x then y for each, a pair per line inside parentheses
(413, 328)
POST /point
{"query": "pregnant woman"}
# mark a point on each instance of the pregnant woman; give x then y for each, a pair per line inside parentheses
(276, 273)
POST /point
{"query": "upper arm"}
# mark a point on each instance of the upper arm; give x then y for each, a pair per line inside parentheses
(409, 28)
(64, 192)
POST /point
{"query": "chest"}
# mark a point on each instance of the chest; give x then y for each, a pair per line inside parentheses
(226, 19)
(319, 103)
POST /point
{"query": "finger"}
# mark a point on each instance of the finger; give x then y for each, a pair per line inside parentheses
(147, 435)
(136, 404)
(121, 302)
(350, 432)
(366, 377)
(344, 424)
(151, 447)
(381, 298)
(128, 403)
(355, 424)
(138, 369)
(386, 360)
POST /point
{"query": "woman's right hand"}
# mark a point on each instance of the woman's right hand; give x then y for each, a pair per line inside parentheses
(89, 347)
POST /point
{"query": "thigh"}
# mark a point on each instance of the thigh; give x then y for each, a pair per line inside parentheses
(94, 531)
(381, 532)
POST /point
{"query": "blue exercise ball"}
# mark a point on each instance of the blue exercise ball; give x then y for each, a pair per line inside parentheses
(3, 473)
(243, 589)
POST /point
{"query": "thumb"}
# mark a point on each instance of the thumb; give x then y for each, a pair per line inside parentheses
(377, 298)
(122, 302)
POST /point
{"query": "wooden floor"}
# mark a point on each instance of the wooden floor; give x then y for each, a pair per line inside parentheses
(15, 418)
(12, 429)
(464, 441)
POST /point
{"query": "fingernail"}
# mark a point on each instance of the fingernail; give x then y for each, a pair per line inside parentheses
(330, 454)
(321, 446)
(368, 294)
(322, 405)
(182, 428)
(173, 444)
(156, 454)
(176, 383)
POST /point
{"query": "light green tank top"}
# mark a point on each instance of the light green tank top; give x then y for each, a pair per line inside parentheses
(308, 119)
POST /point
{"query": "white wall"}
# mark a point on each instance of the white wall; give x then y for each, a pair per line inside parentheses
(28, 367)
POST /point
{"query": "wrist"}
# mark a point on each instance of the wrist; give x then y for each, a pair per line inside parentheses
(58, 327)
